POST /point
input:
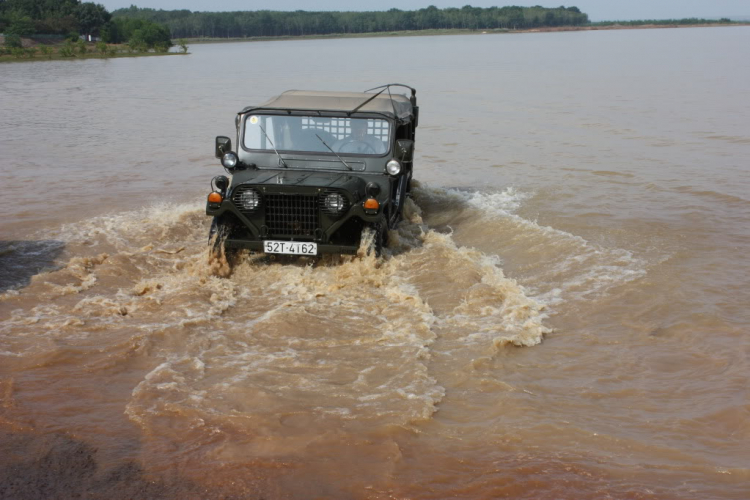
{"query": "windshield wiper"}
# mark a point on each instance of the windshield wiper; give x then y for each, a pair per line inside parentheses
(274, 147)
(334, 152)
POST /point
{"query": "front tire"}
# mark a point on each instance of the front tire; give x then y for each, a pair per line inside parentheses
(378, 238)
(217, 235)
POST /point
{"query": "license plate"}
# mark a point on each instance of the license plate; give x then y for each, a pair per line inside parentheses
(290, 247)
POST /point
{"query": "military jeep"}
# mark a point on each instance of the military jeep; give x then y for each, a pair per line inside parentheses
(314, 171)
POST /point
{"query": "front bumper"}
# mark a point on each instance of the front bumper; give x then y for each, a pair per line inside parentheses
(322, 248)
(338, 235)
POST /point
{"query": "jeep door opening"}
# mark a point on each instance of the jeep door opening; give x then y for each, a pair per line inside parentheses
(313, 171)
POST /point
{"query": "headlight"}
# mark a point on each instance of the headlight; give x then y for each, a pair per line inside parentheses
(249, 199)
(229, 160)
(334, 203)
(246, 199)
(393, 167)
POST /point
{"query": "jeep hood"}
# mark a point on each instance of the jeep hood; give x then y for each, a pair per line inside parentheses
(298, 178)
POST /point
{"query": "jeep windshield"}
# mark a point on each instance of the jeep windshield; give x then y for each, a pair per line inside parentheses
(316, 134)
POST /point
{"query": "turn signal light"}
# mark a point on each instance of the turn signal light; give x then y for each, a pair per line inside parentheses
(371, 204)
(215, 197)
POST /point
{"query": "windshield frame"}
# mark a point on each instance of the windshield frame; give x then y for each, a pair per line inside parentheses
(246, 115)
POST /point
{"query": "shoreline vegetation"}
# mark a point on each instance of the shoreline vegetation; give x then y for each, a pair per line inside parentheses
(455, 31)
(71, 29)
(33, 50)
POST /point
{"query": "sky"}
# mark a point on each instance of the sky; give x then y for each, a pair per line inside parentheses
(598, 10)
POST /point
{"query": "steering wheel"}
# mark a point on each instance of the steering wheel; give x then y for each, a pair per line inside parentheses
(356, 146)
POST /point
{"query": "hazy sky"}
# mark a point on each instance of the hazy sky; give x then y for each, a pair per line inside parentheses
(597, 10)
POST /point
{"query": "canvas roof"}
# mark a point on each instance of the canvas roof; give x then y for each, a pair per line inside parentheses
(313, 100)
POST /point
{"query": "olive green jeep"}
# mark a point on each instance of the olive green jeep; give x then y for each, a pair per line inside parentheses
(314, 171)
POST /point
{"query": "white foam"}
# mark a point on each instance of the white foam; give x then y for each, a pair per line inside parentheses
(586, 269)
(147, 225)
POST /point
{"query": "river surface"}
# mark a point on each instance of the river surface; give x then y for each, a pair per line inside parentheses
(563, 312)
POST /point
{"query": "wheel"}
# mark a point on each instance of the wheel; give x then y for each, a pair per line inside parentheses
(356, 146)
(402, 191)
(217, 234)
(378, 238)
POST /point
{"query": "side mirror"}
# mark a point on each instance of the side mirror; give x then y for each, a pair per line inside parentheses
(404, 149)
(223, 145)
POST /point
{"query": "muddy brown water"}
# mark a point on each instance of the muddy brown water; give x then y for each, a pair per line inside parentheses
(563, 312)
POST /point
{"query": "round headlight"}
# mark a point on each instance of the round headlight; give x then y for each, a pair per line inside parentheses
(248, 199)
(393, 167)
(335, 203)
(229, 160)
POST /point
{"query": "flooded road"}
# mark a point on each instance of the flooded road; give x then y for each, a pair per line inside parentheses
(562, 313)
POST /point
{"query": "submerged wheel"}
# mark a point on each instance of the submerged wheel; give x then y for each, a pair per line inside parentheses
(379, 238)
(217, 234)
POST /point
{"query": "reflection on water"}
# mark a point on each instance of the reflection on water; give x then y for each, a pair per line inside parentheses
(561, 314)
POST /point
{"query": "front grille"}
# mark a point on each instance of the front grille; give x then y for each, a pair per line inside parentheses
(291, 214)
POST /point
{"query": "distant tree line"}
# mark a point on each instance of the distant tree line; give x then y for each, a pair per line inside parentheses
(266, 23)
(664, 22)
(71, 18)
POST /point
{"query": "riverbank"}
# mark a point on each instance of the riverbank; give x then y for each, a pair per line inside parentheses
(444, 32)
(631, 27)
(77, 57)
(33, 50)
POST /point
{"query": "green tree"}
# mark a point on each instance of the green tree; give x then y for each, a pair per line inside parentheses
(109, 33)
(137, 41)
(21, 26)
(91, 17)
(149, 36)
